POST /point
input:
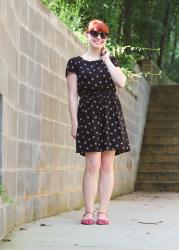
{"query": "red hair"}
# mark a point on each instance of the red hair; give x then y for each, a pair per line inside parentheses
(97, 25)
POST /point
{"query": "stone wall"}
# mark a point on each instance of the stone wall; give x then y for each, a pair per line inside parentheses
(39, 167)
(135, 110)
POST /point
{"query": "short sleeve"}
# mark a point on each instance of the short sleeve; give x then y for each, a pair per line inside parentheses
(114, 61)
(71, 66)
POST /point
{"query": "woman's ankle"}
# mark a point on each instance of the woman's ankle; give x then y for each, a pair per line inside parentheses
(102, 213)
(88, 214)
(102, 210)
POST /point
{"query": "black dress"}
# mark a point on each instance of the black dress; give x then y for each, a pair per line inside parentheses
(101, 124)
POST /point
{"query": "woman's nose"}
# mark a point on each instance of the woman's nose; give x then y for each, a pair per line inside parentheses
(99, 36)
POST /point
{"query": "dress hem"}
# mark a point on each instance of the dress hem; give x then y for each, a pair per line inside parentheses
(117, 152)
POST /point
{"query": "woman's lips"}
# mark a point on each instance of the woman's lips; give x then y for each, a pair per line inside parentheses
(98, 42)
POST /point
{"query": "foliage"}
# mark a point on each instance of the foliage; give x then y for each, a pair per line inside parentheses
(137, 29)
(69, 13)
(4, 196)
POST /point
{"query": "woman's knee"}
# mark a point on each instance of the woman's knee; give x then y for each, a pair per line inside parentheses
(93, 162)
(106, 167)
(107, 162)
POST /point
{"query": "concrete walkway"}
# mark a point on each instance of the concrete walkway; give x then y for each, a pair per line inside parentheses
(138, 221)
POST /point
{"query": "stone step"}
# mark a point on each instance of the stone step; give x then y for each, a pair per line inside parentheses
(163, 108)
(151, 186)
(173, 116)
(160, 148)
(162, 131)
(154, 139)
(169, 99)
(156, 176)
(165, 89)
(159, 160)
(162, 124)
(163, 157)
(165, 94)
(158, 166)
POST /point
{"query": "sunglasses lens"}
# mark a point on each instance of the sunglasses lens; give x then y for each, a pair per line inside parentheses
(95, 34)
(103, 35)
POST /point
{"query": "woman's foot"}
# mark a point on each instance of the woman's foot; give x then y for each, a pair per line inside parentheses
(102, 218)
(88, 218)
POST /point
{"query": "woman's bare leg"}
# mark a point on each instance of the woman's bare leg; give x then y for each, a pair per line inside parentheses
(106, 181)
(93, 162)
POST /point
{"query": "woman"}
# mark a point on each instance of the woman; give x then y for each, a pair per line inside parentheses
(97, 120)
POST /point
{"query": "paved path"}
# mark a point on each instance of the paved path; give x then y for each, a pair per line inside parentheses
(138, 221)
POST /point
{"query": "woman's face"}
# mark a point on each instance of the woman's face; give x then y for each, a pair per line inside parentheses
(96, 42)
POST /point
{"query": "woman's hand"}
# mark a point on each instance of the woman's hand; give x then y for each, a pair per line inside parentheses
(74, 130)
(105, 54)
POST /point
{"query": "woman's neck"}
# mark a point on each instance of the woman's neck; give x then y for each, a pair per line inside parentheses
(92, 53)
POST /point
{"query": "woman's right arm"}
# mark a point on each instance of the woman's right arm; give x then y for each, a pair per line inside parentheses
(73, 101)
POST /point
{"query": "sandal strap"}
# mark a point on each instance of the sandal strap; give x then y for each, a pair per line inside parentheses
(102, 213)
(88, 212)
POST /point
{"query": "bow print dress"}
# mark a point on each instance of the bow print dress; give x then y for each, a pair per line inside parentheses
(101, 125)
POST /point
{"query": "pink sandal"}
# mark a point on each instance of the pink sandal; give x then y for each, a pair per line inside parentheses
(87, 221)
(102, 221)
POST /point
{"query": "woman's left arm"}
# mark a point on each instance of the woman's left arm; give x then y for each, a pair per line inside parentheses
(116, 73)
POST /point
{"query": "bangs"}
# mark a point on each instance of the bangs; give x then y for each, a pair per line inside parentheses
(97, 25)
